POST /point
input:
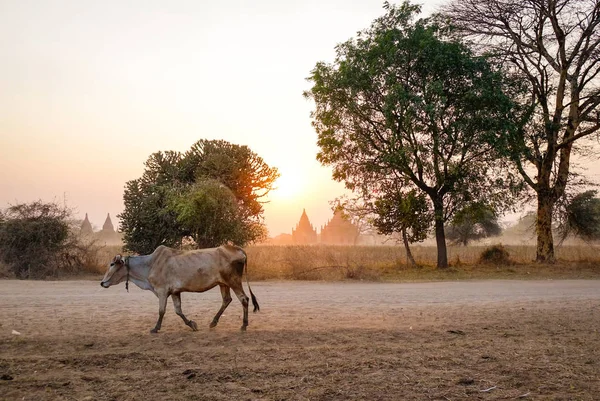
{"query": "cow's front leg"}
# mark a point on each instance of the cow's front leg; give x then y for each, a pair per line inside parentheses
(162, 306)
(177, 303)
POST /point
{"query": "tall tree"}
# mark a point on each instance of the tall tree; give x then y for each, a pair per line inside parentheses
(147, 221)
(235, 166)
(405, 213)
(402, 105)
(475, 221)
(553, 45)
(210, 214)
(177, 193)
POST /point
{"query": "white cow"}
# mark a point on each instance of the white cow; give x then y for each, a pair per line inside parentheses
(169, 272)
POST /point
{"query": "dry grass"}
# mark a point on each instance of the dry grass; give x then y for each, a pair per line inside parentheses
(105, 254)
(388, 263)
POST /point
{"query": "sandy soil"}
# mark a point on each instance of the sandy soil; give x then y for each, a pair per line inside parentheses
(485, 340)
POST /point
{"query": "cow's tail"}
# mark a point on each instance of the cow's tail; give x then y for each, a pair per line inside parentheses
(254, 301)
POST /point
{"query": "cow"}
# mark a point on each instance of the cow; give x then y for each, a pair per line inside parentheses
(169, 272)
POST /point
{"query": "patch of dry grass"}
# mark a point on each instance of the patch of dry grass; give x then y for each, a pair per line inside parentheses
(388, 263)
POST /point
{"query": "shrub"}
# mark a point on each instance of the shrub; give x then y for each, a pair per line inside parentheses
(6, 271)
(38, 240)
(495, 255)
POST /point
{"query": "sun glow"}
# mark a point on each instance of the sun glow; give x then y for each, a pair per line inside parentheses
(289, 185)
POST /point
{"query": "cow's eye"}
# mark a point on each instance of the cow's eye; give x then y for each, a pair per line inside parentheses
(112, 264)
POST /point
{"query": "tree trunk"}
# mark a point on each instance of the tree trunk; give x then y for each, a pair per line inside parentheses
(545, 242)
(409, 256)
(440, 235)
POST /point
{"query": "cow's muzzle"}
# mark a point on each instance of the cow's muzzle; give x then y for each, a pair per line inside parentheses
(104, 284)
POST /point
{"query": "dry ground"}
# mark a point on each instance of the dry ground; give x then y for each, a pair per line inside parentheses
(537, 340)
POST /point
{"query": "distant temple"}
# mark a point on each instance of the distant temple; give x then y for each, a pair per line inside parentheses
(106, 236)
(108, 225)
(304, 233)
(339, 231)
(86, 227)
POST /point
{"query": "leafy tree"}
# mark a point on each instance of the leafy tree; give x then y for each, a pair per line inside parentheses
(34, 237)
(147, 221)
(404, 213)
(237, 167)
(582, 217)
(210, 213)
(177, 193)
(553, 47)
(402, 105)
(474, 222)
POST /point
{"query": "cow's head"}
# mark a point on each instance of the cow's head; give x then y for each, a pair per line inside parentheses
(117, 272)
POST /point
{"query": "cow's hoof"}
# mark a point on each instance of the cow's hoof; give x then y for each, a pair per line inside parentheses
(193, 325)
(213, 324)
(243, 328)
(154, 331)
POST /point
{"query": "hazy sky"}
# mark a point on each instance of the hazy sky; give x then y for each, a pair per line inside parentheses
(89, 89)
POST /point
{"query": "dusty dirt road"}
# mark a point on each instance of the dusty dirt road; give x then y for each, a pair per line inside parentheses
(319, 341)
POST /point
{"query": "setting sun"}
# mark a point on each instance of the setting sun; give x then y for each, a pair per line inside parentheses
(289, 185)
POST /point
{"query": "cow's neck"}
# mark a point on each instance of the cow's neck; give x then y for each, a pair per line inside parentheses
(139, 270)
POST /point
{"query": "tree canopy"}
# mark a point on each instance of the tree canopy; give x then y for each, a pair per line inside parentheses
(402, 105)
(474, 222)
(552, 47)
(211, 194)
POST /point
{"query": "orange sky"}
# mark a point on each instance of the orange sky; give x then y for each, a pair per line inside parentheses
(89, 89)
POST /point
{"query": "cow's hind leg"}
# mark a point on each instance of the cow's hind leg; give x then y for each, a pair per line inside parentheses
(239, 291)
(226, 294)
(162, 306)
(177, 304)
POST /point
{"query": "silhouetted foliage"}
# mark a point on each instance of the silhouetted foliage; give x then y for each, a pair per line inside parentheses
(582, 217)
(407, 214)
(403, 105)
(211, 194)
(472, 223)
(34, 238)
(552, 48)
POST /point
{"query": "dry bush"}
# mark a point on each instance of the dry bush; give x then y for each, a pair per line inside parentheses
(107, 253)
(495, 255)
(6, 271)
(40, 240)
(90, 256)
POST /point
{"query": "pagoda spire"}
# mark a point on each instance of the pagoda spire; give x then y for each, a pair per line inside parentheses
(304, 233)
(108, 225)
(86, 226)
